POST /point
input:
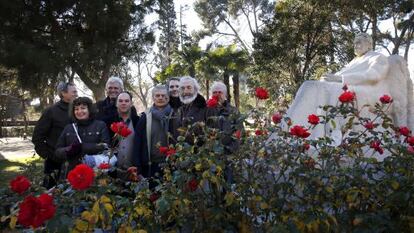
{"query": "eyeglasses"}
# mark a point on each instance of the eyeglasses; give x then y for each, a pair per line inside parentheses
(176, 86)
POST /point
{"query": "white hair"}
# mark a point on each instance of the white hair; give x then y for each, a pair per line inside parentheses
(366, 38)
(218, 86)
(115, 79)
(193, 80)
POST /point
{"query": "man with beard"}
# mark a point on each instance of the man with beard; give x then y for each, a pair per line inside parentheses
(152, 132)
(173, 86)
(192, 111)
(48, 129)
(106, 109)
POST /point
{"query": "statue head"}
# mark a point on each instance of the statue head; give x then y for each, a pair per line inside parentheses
(362, 44)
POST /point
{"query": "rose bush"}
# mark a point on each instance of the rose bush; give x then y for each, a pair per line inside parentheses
(280, 182)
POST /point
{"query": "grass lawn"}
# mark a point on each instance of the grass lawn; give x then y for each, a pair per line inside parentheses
(31, 167)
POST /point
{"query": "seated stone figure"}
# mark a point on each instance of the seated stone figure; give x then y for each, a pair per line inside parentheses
(370, 75)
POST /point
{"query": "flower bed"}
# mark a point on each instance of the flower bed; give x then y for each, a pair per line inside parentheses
(288, 184)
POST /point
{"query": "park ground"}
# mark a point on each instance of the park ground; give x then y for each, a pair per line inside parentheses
(16, 154)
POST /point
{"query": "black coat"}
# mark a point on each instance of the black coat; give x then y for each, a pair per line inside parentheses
(47, 131)
(106, 110)
(140, 158)
(187, 115)
(225, 118)
(92, 133)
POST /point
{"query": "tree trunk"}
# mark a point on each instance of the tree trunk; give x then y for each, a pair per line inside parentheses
(236, 90)
(207, 88)
(226, 81)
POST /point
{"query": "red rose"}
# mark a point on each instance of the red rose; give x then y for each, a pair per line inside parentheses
(405, 131)
(163, 150)
(192, 185)
(33, 211)
(81, 177)
(258, 132)
(262, 93)
(299, 131)
(116, 126)
(212, 102)
(133, 174)
(121, 129)
(410, 140)
(170, 152)
(313, 119)
(104, 166)
(386, 99)
(125, 132)
(347, 96)
(376, 145)
(237, 134)
(410, 149)
(153, 197)
(19, 184)
(277, 118)
(369, 125)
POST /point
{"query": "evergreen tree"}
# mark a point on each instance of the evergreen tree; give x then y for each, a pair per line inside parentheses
(168, 40)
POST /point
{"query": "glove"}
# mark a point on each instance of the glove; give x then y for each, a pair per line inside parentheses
(90, 161)
(74, 149)
(102, 146)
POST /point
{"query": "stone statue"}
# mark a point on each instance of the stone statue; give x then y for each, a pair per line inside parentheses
(370, 75)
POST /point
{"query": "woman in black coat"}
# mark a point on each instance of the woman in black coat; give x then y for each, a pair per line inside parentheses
(85, 136)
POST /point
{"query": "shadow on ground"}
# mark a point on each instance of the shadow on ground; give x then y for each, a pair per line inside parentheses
(10, 169)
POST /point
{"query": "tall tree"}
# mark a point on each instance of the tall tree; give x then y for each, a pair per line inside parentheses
(43, 39)
(222, 17)
(168, 40)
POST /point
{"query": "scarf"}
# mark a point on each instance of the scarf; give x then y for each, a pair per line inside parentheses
(162, 115)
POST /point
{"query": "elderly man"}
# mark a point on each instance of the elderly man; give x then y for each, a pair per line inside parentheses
(152, 132)
(48, 129)
(106, 109)
(370, 75)
(173, 85)
(223, 116)
(192, 111)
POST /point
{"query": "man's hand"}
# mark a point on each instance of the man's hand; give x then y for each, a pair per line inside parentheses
(329, 77)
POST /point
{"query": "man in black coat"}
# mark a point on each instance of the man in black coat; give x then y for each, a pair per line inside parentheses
(193, 110)
(106, 109)
(48, 129)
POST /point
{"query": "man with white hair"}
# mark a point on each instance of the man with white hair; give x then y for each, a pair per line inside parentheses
(106, 109)
(223, 116)
(193, 109)
(152, 132)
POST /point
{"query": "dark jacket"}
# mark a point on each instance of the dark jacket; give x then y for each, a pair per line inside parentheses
(141, 157)
(225, 118)
(106, 110)
(175, 102)
(187, 115)
(47, 131)
(91, 132)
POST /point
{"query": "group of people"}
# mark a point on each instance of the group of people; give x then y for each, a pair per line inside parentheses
(75, 127)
